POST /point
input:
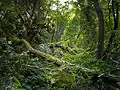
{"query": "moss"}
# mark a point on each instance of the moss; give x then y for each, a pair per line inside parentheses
(28, 46)
(64, 77)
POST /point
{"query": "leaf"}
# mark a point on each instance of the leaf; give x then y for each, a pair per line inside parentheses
(43, 21)
(16, 82)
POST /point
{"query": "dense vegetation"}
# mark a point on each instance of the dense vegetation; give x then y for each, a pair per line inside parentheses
(59, 45)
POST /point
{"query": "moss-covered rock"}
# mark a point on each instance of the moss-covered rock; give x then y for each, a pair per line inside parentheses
(64, 77)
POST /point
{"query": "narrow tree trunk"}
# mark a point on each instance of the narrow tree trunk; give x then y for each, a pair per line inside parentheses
(58, 32)
(115, 12)
(100, 46)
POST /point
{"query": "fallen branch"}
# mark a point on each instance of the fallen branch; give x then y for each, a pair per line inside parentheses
(106, 78)
(38, 53)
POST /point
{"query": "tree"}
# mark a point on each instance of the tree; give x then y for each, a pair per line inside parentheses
(115, 13)
(100, 46)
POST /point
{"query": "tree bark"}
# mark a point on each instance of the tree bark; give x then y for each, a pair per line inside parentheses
(115, 16)
(100, 45)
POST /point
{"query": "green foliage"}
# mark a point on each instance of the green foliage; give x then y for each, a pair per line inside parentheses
(63, 40)
(64, 77)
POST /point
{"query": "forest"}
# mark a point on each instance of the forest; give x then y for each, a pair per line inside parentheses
(59, 45)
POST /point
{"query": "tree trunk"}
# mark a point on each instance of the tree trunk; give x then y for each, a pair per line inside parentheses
(115, 12)
(100, 45)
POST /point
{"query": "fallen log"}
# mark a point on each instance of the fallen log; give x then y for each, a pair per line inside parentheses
(106, 78)
(38, 53)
